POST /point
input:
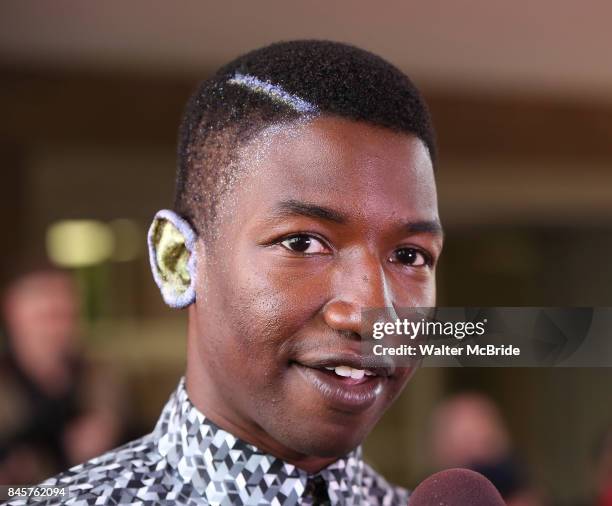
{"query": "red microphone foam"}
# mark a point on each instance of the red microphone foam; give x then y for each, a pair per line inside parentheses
(456, 487)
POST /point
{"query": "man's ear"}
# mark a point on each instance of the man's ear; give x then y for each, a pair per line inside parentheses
(173, 261)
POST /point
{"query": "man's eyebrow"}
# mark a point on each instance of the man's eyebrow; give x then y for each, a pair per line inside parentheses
(296, 207)
(433, 227)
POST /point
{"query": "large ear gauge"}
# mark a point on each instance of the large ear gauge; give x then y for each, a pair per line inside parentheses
(171, 240)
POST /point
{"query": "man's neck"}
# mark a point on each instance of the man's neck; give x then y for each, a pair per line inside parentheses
(204, 400)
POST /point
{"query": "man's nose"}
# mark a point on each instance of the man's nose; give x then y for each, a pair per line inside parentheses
(359, 285)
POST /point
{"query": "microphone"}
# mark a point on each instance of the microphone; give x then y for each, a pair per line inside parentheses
(456, 487)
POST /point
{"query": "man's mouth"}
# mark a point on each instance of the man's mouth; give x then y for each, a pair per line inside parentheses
(343, 382)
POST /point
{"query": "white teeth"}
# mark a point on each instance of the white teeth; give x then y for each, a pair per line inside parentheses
(344, 371)
(348, 372)
(357, 374)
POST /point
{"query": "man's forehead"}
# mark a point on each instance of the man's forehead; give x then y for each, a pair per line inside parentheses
(35, 282)
(332, 150)
(362, 171)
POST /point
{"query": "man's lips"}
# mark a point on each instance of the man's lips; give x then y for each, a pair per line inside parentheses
(343, 381)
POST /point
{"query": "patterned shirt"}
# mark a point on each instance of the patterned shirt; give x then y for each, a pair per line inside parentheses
(188, 460)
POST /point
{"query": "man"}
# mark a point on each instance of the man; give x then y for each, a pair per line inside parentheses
(305, 194)
(468, 430)
(56, 408)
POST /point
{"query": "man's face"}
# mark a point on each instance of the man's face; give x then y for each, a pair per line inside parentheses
(326, 219)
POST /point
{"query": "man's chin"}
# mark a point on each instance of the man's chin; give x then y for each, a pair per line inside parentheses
(325, 444)
(336, 451)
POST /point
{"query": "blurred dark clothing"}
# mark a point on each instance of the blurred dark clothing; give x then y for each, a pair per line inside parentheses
(43, 433)
(506, 473)
(30, 417)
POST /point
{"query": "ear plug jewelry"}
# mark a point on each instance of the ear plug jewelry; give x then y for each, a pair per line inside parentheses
(173, 258)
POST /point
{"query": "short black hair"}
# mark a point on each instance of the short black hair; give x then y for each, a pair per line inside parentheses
(281, 83)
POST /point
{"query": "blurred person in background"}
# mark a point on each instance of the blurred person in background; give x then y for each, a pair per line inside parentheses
(55, 408)
(468, 431)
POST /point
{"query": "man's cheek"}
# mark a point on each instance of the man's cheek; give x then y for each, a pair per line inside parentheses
(270, 314)
(418, 295)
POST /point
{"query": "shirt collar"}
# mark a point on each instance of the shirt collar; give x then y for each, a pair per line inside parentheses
(221, 466)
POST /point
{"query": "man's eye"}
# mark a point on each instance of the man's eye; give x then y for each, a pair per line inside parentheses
(410, 256)
(304, 244)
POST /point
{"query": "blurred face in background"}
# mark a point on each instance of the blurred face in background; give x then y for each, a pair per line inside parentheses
(467, 429)
(41, 312)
